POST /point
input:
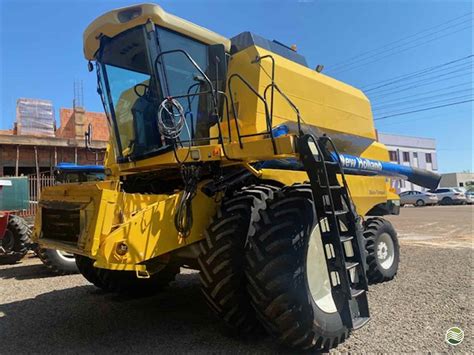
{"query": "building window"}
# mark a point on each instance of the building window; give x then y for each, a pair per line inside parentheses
(393, 155)
(461, 184)
(406, 156)
(428, 158)
(415, 155)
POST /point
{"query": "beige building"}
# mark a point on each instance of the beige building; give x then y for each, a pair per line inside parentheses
(457, 180)
(417, 152)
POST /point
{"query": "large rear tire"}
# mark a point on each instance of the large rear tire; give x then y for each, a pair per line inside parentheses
(383, 250)
(223, 281)
(57, 261)
(287, 274)
(16, 240)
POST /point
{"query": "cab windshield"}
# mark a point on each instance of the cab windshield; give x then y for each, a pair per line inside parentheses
(133, 84)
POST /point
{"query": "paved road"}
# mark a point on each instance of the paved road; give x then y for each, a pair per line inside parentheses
(433, 291)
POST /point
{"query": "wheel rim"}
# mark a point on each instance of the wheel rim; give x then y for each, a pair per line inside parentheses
(65, 256)
(385, 251)
(317, 273)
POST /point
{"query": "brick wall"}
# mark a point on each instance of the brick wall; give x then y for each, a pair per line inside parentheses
(69, 126)
(46, 157)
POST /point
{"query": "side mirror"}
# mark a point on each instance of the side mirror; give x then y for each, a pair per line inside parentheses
(88, 137)
(90, 66)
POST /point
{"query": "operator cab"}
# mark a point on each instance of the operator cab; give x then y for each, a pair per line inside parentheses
(139, 68)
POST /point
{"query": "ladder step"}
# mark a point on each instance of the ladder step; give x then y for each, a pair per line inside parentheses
(333, 187)
(346, 238)
(356, 293)
(359, 322)
(350, 265)
(337, 213)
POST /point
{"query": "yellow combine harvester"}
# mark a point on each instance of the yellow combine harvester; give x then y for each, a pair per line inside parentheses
(225, 157)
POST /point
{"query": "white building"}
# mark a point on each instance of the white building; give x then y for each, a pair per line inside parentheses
(457, 180)
(417, 152)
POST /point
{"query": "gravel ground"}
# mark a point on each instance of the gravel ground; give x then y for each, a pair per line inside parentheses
(40, 313)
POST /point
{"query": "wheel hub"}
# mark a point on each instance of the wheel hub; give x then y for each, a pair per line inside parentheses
(385, 251)
(318, 277)
(382, 251)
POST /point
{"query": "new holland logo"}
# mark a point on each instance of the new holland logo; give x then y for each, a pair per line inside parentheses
(360, 163)
(454, 336)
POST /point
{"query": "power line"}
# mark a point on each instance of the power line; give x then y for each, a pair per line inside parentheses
(401, 40)
(422, 93)
(405, 89)
(421, 99)
(414, 85)
(401, 51)
(389, 47)
(341, 69)
(435, 102)
(416, 74)
(421, 110)
(366, 87)
(420, 80)
(411, 119)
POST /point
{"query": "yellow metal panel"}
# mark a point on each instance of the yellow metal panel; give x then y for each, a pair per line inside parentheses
(151, 231)
(110, 25)
(250, 151)
(366, 191)
(109, 217)
(323, 101)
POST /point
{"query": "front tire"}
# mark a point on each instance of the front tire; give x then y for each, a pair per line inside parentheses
(420, 203)
(86, 267)
(383, 250)
(58, 262)
(287, 274)
(127, 283)
(223, 281)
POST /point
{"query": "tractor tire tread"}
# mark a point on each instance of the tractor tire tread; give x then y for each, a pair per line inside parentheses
(55, 266)
(274, 271)
(86, 267)
(372, 227)
(22, 237)
(221, 261)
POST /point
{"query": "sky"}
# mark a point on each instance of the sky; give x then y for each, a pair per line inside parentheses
(41, 55)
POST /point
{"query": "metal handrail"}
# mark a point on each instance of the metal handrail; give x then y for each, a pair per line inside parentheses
(267, 115)
(258, 59)
(287, 99)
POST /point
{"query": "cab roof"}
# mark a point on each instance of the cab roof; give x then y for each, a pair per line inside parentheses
(117, 21)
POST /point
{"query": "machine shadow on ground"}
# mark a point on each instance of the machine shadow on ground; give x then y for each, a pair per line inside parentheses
(26, 272)
(87, 320)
